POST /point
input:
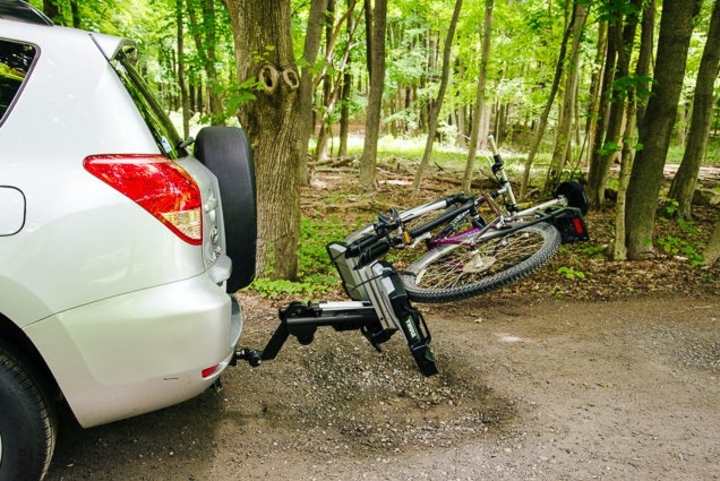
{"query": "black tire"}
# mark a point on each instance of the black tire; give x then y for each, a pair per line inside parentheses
(550, 245)
(226, 152)
(28, 424)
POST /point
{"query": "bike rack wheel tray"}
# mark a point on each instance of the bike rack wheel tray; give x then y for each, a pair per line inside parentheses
(379, 308)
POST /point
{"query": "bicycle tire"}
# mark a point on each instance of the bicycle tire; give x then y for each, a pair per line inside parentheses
(550, 245)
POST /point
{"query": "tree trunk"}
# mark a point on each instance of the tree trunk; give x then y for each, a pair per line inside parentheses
(207, 47)
(595, 82)
(322, 141)
(596, 154)
(676, 28)
(626, 163)
(644, 63)
(479, 107)
(683, 185)
(562, 138)
(712, 251)
(368, 160)
(50, 8)
(599, 170)
(367, 11)
(184, 100)
(437, 105)
(546, 111)
(346, 89)
(278, 123)
(75, 10)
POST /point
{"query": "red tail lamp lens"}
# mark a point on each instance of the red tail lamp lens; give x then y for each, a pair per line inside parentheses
(158, 185)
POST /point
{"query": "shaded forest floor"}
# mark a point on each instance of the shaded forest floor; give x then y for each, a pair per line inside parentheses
(333, 205)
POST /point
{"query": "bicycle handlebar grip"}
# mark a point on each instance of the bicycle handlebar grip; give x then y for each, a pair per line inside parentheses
(357, 247)
(374, 252)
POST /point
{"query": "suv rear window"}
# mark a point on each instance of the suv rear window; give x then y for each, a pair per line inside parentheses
(158, 122)
(16, 61)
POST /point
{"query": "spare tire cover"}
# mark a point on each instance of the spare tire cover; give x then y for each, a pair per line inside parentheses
(226, 152)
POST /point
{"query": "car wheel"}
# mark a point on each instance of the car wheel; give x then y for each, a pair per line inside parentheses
(226, 152)
(28, 425)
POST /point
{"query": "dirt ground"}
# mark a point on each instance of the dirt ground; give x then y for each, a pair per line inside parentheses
(549, 391)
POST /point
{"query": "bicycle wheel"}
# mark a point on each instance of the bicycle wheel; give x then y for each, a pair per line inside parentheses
(459, 271)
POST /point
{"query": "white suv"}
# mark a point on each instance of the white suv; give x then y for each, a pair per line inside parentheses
(114, 268)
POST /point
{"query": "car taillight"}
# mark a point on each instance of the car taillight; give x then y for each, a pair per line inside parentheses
(158, 185)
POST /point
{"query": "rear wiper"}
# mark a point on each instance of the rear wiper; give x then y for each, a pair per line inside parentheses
(184, 144)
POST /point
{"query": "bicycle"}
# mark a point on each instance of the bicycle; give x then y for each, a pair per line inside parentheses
(466, 255)
(458, 240)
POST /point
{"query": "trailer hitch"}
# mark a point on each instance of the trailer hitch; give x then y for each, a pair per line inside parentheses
(377, 321)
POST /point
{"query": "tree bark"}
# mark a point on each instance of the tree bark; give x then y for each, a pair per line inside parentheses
(598, 139)
(278, 123)
(436, 108)
(562, 138)
(322, 139)
(626, 163)
(595, 82)
(367, 11)
(182, 84)
(676, 28)
(644, 63)
(368, 160)
(712, 251)
(346, 89)
(683, 185)
(479, 107)
(75, 10)
(559, 66)
(51, 9)
(599, 170)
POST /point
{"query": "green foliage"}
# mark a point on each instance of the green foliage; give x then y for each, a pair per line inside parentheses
(10, 73)
(640, 84)
(676, 246)
(609, 148)
(609, 10)
(670, 208)
(589, 249)
(316, 272)
(571, 273)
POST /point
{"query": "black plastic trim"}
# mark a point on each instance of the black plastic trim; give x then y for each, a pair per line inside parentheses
(24, 219)
(31, 69)
(21, 11)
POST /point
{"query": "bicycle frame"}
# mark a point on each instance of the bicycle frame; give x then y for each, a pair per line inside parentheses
(474, 234)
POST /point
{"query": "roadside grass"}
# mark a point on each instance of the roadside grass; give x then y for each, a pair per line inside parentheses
(316, 272)
(451, 157)
(712, 156)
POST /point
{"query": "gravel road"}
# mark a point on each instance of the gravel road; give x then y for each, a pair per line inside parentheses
(552, 391)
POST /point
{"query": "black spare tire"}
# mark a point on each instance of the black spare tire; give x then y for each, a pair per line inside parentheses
(226, 152)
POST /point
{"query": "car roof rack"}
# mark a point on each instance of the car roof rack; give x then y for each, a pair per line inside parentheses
(23, 12)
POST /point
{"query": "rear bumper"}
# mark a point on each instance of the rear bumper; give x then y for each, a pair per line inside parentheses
(142, 351)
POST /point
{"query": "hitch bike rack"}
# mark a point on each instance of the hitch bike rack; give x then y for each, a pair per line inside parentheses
(379, 308)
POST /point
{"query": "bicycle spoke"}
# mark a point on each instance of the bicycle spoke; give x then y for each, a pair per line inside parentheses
(467, 263)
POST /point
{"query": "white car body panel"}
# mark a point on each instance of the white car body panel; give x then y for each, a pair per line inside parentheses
(124, 312)
(138, 352)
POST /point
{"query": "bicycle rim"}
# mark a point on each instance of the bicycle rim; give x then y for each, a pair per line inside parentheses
(462, 270)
